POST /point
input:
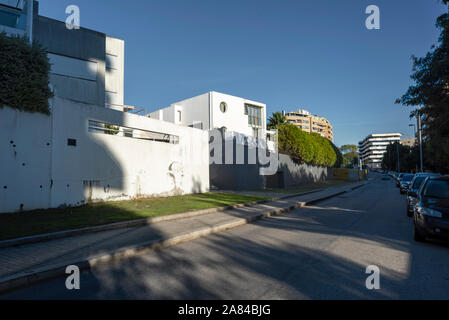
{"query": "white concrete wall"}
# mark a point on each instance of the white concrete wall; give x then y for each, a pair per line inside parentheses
(100, 166)
(25, 158)
(115, 71)
(205, 108)
(193, 110)
(234, 119)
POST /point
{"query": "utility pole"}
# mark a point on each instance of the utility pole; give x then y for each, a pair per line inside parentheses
(415, 136)
(420, 141)
(397, 151)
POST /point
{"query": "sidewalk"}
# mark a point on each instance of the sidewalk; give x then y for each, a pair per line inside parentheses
(30, 263)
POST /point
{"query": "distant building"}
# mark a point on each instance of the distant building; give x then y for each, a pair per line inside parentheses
(86, 66)
(214, 110)
(374, 146)
(304, 120)
(410, 142)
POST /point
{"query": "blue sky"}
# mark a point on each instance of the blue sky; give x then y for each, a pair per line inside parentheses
(315, 55)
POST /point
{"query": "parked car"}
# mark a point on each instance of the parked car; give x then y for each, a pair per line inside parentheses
(405, 181)
(398, 178)
(385, 177)
(431, 212)
(413, 190)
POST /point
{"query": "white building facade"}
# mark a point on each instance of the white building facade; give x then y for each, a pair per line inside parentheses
(87, 66)
(374, 146)
(214, 110)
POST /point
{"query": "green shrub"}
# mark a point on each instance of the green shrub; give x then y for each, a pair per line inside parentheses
(24, 79)
(308, 148)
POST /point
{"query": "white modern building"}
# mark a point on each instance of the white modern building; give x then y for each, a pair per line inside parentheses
(87, 66)
(374, 146)
(214, 110)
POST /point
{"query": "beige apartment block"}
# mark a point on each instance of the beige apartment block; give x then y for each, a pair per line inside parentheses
(304, 120)
(410, 142)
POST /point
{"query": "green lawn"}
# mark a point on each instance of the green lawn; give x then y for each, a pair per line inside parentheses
(14, 225)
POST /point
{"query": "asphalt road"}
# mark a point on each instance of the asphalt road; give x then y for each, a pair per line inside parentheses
(317, 252)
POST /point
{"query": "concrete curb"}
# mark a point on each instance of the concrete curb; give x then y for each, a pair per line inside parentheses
(21, 280)
(135, 223)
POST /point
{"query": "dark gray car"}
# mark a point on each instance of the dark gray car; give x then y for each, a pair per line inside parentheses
(431, 212)
(405, 181)
(413, 190)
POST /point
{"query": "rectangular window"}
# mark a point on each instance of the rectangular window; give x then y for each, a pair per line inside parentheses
(254, 115)
(112, 62)
(255, 132)
(73, 68)
(12, 14)
(120, 131)
(179, 116)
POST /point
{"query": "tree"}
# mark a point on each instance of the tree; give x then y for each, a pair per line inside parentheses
(308, 148)
(408, 158)
(350, 155)
(110, 129)
(275, 120)
(24, 75)
(348, 148)
(431, 94)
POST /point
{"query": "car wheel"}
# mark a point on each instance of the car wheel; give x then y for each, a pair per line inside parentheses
(409, 214)
(417, 236)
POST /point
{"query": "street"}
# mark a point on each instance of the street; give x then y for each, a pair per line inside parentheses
(316, 252)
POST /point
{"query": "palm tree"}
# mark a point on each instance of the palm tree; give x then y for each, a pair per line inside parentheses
(275, 120)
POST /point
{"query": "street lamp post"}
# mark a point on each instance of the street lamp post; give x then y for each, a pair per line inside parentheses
(414, 135)
(418, 116)
(397, 151)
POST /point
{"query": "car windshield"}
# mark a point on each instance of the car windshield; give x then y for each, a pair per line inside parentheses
(417, 182)
(407, 177)
(437, 189)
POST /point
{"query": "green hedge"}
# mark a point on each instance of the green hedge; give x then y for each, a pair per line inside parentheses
(308, 148)
(24, 70)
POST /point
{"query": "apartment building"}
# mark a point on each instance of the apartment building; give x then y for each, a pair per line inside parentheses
(374, 146)
(214, 110)
(87, 65)
(304, 120)
(409, 142)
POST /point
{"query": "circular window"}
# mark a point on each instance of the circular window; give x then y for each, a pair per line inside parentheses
(223, 107)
